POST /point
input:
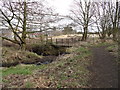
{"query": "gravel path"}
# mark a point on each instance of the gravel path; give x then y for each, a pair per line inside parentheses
(104, 69)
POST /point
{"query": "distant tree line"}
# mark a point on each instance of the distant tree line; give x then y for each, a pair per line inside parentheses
(22, 17)
(104, 15)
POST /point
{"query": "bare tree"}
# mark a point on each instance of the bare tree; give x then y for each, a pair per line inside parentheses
(114, 11)
(21, 14)
(41, 16)
(102, 19)
(82, 14)
(9, 15)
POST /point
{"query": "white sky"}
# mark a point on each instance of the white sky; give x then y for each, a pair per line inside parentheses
(61, 6)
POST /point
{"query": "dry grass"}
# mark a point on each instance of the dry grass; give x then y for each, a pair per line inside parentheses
(11, 56)
(66, 36)
(73, 35)
(68, 70)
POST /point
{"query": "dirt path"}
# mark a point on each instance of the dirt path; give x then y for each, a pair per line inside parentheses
(104, 69)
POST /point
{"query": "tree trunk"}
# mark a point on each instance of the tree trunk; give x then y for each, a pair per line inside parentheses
(103, 34)
(114, 33)
(84, 37)
(115, 23)
(23, 44)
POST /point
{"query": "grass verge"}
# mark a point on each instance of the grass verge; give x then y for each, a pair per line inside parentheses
(21, 69)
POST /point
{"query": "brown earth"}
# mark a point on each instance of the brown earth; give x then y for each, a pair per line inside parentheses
(104, 69)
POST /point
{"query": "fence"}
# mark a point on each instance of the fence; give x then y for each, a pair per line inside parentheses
(58, 41)
(66, 41)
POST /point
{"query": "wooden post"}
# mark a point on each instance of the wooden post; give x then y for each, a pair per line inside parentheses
(51, 39)
(68, 42)
(62, 41)
(78, 39)
(46, 38)
(56, 40)
(72, 41)
(41, 38)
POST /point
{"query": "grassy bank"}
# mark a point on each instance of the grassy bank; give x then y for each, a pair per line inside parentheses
(69, 70)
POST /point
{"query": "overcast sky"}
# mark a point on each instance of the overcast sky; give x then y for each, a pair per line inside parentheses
(61, 6)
